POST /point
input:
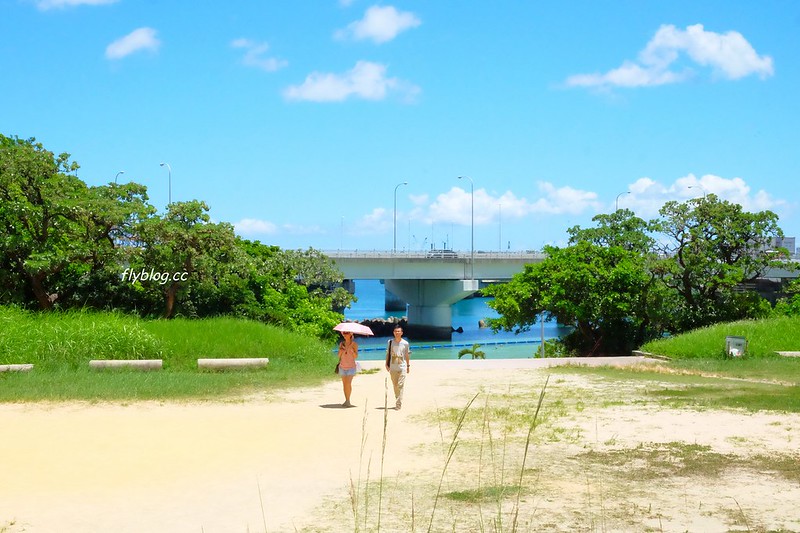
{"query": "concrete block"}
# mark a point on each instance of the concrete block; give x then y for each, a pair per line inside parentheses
(235, 362)
(139, 364)
(16, 368)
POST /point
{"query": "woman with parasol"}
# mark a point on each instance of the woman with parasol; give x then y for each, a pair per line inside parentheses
(348, 353)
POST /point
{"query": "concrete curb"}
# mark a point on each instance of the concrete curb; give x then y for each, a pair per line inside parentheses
(236, 362)
(139, 364)
(16, 368)
(651, 355)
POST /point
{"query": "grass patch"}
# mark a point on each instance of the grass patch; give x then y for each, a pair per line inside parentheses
(765, 337)
(772, 368)
(60, 345)
(749, 396)
(513, 412)
(483, 494)
(654, 461)
(687, 386)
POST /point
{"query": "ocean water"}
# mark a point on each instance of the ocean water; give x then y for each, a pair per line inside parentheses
(466, 314)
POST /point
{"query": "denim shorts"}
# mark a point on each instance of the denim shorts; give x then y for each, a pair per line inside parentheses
(347, 371)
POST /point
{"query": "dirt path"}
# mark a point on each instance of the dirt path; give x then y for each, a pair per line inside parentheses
(271, 463)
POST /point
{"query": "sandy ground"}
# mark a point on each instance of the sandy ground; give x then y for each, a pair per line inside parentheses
(285, 461)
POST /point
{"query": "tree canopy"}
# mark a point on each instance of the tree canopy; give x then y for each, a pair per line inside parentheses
(64, 244)
(627, 280)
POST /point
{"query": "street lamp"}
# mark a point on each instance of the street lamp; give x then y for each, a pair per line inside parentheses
(472, 226)
(616, 202)
(698, 186)
(169, 169)
(394, 244)
(118, 173)
(408, 236)
(499, 227)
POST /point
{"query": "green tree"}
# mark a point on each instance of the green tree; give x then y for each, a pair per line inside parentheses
(118, 211)
(184, 249)
(55, 228)
(605, 293)
(621, 228)
(626, 280)
(316, 271)
(789, 305)
(79, 246)
(708, 249)
(295, 289)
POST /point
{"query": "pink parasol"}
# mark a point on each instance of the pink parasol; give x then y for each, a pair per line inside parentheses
(353, 327)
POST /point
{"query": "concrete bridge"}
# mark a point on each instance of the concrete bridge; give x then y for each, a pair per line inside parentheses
(431, 282)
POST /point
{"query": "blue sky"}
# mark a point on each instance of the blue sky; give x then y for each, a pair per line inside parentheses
(297, 122)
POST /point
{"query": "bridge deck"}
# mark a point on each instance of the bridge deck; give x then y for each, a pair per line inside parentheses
(421, 265)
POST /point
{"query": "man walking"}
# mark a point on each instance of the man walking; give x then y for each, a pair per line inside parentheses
(398, 363)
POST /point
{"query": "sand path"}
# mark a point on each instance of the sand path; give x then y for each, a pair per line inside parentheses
(252, 464)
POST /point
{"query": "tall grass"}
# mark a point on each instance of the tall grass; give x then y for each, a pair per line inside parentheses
(531, 429)
(69, 339)
(450, 451)
(60, 345)
(508, 499)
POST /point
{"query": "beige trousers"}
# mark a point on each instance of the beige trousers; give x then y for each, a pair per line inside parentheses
(398, 381)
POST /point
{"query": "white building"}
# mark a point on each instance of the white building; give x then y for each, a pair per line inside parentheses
(786, 242)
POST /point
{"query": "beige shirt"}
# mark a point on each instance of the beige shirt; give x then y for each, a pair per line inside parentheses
(398, 355)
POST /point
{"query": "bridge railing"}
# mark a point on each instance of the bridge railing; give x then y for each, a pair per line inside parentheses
(380, 254)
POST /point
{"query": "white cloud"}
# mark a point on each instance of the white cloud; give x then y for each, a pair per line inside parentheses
(628, 75)
(454, 206)
(380, 24)
(647, 195)
(564, 200)
(44, 5)
(418, 199)
(365, 80)
(254, 55)
(139, 39)
(376, 222)
(458, 206)
(729, 55)
(252, 227)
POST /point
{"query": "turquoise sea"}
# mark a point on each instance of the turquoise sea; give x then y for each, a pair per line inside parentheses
(466, 314)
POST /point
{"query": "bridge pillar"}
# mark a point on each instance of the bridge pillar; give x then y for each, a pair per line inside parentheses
(391, 302)
(429, 301)
(349, 285)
